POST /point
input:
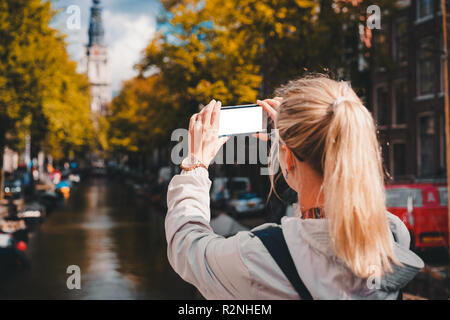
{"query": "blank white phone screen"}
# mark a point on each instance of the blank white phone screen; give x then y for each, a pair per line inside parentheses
(240, 120)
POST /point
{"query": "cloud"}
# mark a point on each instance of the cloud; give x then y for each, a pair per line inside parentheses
(127, 37)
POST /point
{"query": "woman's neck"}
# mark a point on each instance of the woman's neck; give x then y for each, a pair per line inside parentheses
(310, 193)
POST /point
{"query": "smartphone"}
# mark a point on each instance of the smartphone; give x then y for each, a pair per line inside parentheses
(244, 119)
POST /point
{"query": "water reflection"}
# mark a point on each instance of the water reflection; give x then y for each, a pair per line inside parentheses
(118, 244)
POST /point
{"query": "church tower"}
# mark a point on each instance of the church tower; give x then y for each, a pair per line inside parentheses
(97, 62)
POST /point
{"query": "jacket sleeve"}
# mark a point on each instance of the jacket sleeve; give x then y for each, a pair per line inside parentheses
(210, 262)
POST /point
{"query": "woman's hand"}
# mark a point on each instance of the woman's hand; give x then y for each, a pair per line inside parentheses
(271, 106)
(204, 141)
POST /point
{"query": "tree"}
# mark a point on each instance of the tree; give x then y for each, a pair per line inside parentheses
(41, 94)
(141, 116)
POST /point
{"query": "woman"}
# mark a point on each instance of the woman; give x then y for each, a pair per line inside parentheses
(342, 245)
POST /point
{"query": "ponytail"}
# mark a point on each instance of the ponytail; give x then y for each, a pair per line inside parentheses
(354, 191)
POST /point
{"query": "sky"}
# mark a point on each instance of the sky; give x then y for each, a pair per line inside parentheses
(129, 26)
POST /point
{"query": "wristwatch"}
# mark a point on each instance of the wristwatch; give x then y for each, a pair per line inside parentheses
(191, 163)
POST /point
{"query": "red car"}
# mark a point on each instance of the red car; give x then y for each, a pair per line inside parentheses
(423, 209)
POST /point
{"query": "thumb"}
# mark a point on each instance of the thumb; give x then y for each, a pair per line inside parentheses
(261, 136)
(223, 140)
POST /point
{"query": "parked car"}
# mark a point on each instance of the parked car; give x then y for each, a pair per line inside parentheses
(222, 188)
(423, 209)
(245, 203)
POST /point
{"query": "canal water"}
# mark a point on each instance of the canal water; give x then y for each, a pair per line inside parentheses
(118, 244)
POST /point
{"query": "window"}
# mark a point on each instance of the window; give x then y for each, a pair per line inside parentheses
(424, 9)
(398, 197)
(382, 106)
(426, 145)
(399, 157)
(381, 47)
(439, 6)
(443, 196)
(425, 66)
(401, 98)
(401, 41)
(382, 41)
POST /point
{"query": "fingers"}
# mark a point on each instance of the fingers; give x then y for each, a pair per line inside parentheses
(268, 108)
(274, 103)
(191, 132)
(207, 112)
(221, 141)
(192, 121)
(261, 136)
(197, 138)
(215, 116)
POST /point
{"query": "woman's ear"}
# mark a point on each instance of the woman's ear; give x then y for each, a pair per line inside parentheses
(290, 161)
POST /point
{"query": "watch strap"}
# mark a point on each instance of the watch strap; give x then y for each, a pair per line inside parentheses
(195, 166)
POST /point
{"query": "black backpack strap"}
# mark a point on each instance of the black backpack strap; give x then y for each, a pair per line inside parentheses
(273, 239)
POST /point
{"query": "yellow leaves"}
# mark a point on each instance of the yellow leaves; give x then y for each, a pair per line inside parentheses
(281, 14)
(45, 96)
(265, 11)
(222, 49)
(140, 115)
(205, 91)
(305, 3)
(279, 28)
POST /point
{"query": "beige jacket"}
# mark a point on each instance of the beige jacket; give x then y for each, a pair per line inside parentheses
(240, 267)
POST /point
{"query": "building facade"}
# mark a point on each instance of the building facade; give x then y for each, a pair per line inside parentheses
(97, 64)
(407, 95)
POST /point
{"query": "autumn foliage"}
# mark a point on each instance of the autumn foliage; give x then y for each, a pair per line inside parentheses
(234, 51)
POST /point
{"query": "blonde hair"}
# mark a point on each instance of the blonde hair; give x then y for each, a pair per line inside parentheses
(324, 122)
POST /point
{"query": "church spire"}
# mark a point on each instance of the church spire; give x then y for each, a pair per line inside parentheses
(97, 62)
(96, 31)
